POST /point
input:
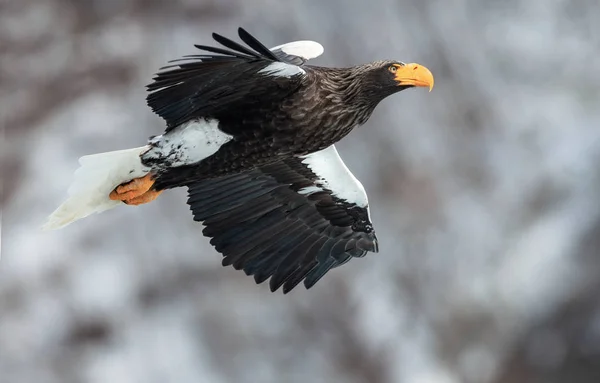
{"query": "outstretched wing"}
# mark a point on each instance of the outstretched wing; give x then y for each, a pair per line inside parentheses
(290, 221)
(228, 78)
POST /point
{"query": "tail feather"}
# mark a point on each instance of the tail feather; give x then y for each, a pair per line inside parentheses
(93, 181)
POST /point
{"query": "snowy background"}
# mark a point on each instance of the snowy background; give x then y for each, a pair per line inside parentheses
(485, 196)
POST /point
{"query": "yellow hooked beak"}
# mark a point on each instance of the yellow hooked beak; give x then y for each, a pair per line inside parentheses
(413, 74)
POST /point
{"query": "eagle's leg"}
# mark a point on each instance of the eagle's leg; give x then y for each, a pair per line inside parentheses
(136, 191)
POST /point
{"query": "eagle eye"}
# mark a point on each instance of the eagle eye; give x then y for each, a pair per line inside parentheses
(392, 68)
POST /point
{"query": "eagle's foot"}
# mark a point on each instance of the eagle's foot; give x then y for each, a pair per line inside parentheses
(136, 191)
(148, 196)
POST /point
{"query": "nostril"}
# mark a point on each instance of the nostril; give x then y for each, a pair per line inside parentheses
(415, 68)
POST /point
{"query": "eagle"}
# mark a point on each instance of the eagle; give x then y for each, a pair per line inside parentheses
(251, 132)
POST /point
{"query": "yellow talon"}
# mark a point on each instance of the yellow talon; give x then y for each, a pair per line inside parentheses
(136, 191)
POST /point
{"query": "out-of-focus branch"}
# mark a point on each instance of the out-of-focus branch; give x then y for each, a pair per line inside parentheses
(334, 317)
(30, 99)
(47, 96)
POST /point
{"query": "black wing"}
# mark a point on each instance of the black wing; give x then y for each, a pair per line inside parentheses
(225, 79)
(286, 220)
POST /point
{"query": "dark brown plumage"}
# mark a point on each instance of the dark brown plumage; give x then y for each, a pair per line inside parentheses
(269, 116)
(247, 193)
(251, 133)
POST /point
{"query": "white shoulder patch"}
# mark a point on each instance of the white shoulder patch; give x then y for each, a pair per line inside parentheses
(305, 48)
(335, 176)
(281, 69)
(187, 144)
(292, 55)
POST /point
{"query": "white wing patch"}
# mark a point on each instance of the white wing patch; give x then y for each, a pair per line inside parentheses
(335, 176)
(310, 190)
(292, 54)
(188, 144)
(282, 69)
(305, 48)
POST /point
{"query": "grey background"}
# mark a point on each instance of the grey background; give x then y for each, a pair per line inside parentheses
(484, 194)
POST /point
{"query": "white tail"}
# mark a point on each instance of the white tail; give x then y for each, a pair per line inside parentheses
(97, 176)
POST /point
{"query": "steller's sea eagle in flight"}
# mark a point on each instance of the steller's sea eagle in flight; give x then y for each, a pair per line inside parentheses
(250, 131)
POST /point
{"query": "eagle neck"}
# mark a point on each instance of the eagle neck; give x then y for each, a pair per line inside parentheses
(349, 91)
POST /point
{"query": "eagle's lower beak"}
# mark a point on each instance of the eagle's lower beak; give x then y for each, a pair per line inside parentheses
(415, 75)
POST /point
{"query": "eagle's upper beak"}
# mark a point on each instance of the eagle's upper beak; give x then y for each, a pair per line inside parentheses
(415, 75)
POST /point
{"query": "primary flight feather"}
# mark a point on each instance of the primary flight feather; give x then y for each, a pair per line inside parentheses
(251, 133)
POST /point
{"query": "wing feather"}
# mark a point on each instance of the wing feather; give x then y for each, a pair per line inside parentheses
(264, 222)
(225, 78)
(233, 45)
(256, 45)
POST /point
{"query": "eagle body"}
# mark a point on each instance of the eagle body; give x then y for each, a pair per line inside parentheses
(251, 132)
(302, 115)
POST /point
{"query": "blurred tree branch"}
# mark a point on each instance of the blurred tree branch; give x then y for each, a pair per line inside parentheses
(30, 98)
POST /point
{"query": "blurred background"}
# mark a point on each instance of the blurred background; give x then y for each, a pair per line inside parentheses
(484, 194)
